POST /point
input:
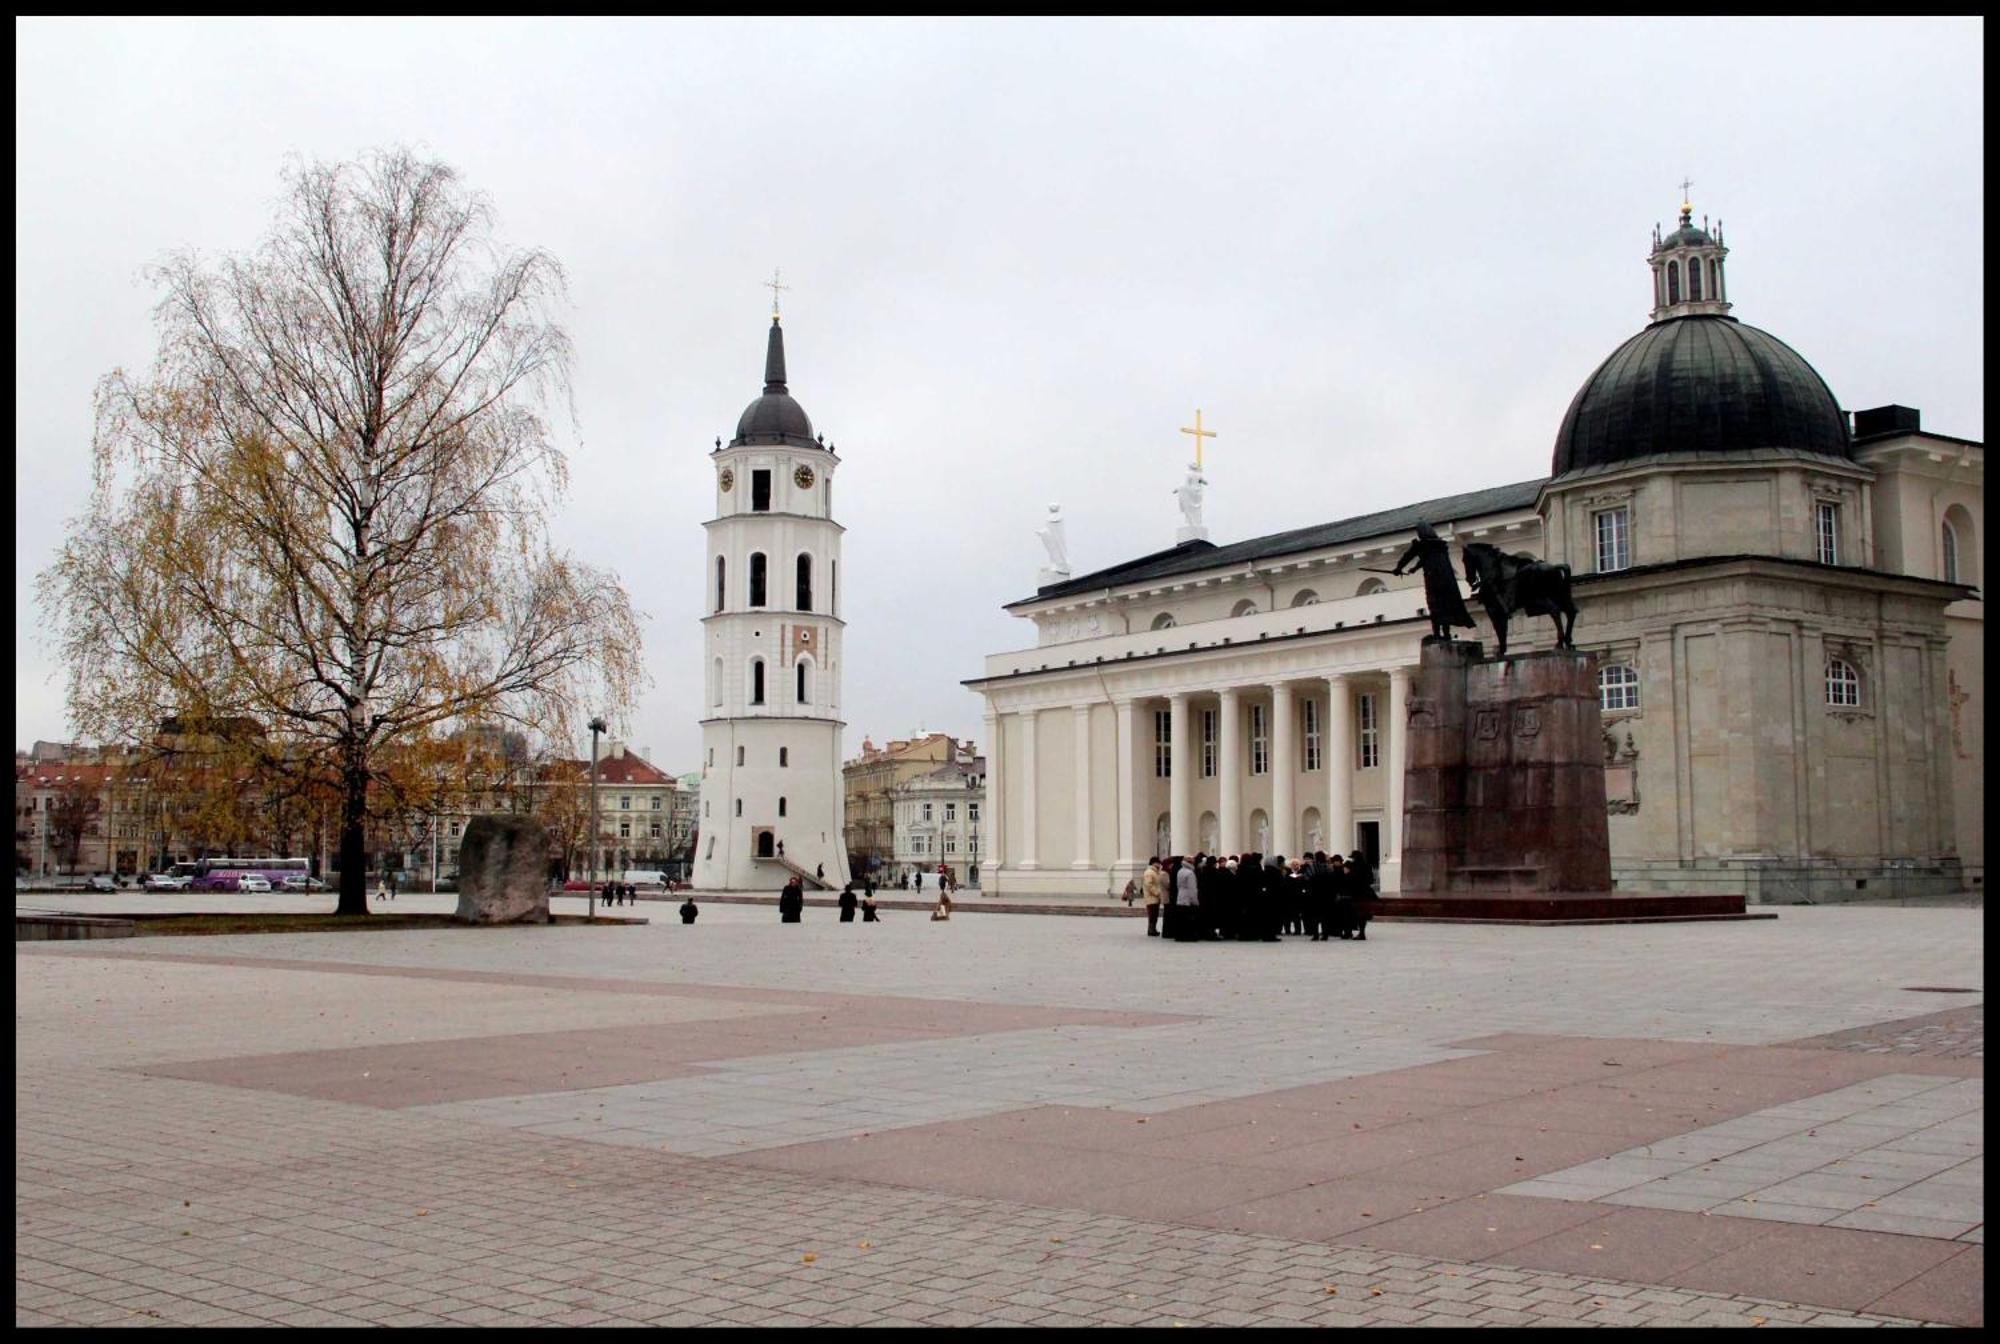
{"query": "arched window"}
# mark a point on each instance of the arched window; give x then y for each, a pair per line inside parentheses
(721, 585)
(1164, 621)
(756, 681)
(1843, 684)
(1244, 608)
(715, 695)
(802, 677)
(1306, 598)
(805, 594)
(1673, 282)
(1617, 687)
(1694, 280)
(1369, 587)
(1961, 547)
(756, 578)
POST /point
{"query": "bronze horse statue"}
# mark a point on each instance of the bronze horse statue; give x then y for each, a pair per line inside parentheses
(1505, 584)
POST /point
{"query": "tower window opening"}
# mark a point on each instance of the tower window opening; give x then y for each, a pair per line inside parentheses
(757, 681)
(833, 586)
(784, 756)
(1950, 553)
(721, 584)
(760, 491)
(1673, 282)
(1826, 533)
(781, 807)
(739, 755)
(803, 690)
(757, 577)
(1694, 280)
(805, 584)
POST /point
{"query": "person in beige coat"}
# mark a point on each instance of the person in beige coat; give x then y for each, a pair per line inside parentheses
(1154, 883)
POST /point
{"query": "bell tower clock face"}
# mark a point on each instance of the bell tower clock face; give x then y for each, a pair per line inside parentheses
(803, 478)
(727, 480)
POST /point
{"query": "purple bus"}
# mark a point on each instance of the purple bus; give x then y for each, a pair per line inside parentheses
(227, 874)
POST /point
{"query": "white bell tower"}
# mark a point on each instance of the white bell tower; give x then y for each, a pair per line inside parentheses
(771, 795)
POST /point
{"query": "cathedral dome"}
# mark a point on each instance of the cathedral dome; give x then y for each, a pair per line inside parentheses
(775, 417)
(1699, 384)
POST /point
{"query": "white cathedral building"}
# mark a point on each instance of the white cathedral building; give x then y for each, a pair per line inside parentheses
(1784, 600)
(771, 793)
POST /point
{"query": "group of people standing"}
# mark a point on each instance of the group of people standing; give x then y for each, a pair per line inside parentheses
(792, 903)
(1252, 898)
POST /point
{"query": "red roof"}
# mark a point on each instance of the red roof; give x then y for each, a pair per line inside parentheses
(630, 769)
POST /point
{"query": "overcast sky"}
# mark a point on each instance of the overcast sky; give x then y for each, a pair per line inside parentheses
(1380, 256)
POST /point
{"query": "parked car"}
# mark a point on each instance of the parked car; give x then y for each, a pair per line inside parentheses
(167, 882)
(577, 884)
(253, 882)
(99, 882)
(301, 883)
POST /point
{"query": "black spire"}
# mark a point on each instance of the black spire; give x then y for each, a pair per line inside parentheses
(774, 359)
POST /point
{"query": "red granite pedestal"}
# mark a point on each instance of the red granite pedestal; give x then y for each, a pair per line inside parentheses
(1503, 796)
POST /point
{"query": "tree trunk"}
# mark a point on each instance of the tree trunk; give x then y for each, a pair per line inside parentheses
(354, 844)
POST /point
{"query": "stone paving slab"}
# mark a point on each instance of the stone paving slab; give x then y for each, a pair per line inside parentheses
(1068, 1126)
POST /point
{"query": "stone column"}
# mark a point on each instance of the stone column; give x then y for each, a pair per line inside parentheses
(1338, 824)
(1029, 784)
(1180, 804)
(1127, 775)
(996, 792)
(1284, 759)
(1229, 766)
(1399, 750)
(1080, 729)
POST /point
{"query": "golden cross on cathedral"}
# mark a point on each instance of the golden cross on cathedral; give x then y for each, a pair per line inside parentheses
(773, 285)
(1686, 182)
(1199, 434)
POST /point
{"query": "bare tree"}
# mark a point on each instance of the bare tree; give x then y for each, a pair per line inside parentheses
(326, 508)
(74, 808)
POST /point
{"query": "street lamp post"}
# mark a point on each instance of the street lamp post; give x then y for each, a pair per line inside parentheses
(596, 727)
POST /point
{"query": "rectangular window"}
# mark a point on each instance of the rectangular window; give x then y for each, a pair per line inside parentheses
(624, 828)
(1309, 716)
(927, 811)
(656, 803)
(454, 830)
(760, 491)
(951, 844)
(1208, 744)
(655, 829)
(972, 811)
(1260, 741)
(784, 756)
(951, 811)
(1367, 739)
(624, 802)
(1163, 744)
(1614, 539)
(1827, 533)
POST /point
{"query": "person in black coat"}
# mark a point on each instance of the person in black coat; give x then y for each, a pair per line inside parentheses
(1361, 897)
(1319, 897)
(847, 903)
(791, 902)
(868, 915)
(688, 911)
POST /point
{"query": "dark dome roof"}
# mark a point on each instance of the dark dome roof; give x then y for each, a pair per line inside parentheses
(775, 417)
(1699, 385)
(1687, 235)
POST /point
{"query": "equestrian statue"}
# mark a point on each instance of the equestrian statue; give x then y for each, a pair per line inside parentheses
(1432, 554)
(1505, 584)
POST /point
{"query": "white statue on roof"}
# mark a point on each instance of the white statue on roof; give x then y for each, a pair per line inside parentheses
(1190, 495)
(1057, 545)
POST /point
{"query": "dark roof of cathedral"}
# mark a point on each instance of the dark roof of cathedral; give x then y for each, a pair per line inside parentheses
(1699, 384)
(1192, 556)
(1687, 235)
(775, 417)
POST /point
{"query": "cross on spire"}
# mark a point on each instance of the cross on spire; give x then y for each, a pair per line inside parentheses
(1199, 434)
(774, 286)
(1686, 182)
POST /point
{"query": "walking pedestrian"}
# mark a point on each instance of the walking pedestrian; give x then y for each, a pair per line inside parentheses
(868, 908)
(847, 904)
(1152, 883)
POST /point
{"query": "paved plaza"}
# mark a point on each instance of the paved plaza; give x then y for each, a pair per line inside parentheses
(1003, 1119)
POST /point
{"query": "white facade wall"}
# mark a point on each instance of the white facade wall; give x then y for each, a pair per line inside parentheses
(787, 785)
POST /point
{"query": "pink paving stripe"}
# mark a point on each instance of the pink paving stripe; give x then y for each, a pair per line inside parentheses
(1408, 1161)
